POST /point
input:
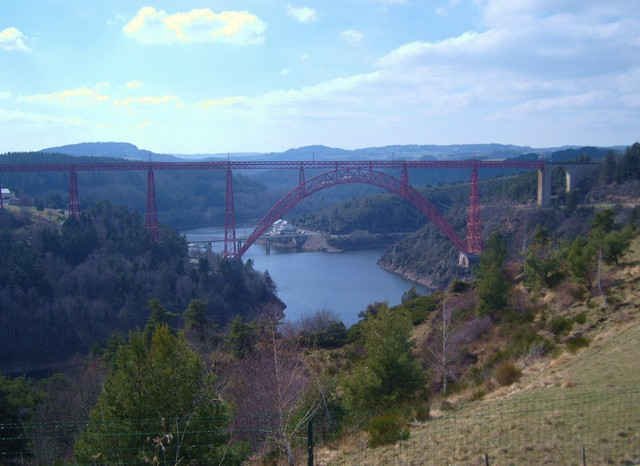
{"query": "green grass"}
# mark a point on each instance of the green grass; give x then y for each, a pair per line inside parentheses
(545, 425)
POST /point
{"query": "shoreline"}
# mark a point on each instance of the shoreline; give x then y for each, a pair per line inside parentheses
(409, 276)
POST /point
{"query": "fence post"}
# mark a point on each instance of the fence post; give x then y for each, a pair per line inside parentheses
(310, 443)
(486, 460)
(584, 456)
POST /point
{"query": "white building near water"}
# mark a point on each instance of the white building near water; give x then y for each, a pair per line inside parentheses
(282, 227)
(7, 195)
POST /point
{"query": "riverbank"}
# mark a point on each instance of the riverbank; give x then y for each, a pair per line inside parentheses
(410, 276)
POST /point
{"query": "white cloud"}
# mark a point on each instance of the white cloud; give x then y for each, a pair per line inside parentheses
(223, 102)
(538, 42)
(392, 2)
(352, 36)
(18, 116)
(553, 76)
(13, 40)
(537, 73)
(5, 95)
(285, 72)
(135, 84)
(302, 14)
(149, 100)
(151, 26)
(305, 57)
(76, 95)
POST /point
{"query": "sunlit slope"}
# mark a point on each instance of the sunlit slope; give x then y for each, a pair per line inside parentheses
(590, 399)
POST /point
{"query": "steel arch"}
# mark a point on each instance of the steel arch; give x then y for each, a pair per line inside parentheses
(357, 175)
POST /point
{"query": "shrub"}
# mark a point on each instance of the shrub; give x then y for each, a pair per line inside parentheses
(560, 325)
(477, 375)
(507, 373)
(540, 347)
(576, 342)
(517, 317)
(420, 307)
(446, 405)
(581, 318)
(458, 286)
(422, 413)
(331, 335)
(523, 339)
(478, 394)
(386, 429)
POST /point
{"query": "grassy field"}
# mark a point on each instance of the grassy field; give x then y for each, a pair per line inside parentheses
(590, 399)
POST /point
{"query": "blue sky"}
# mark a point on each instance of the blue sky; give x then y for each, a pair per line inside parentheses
(265, 75)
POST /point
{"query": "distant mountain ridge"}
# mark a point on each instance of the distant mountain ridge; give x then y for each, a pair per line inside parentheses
(125, 150)
(120, 150)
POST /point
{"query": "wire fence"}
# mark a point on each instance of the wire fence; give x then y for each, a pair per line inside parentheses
(562, 427)
(557, 426)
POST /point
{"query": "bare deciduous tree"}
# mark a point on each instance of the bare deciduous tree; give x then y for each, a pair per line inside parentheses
(274, 390)
(444, 347)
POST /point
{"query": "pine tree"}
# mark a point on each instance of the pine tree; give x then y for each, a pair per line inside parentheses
(389, 374)
(492, 284)
(241, 338)
(157, 406)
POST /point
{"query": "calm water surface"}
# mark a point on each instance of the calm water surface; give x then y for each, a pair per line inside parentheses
(344, 283)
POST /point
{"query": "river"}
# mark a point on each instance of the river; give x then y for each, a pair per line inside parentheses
(344, 283)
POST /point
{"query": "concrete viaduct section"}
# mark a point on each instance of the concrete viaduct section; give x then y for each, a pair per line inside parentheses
(574, 173)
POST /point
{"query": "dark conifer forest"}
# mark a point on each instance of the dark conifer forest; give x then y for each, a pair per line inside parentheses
(67, 288)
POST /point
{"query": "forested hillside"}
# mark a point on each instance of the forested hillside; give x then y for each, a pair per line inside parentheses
(65, 288)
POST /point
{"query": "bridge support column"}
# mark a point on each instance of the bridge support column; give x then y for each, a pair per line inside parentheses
(301, 180)
(230, 243)
(544, 187)
(570, 179)
(151, 216)
(474, 229)
(405, 178)
(74, 202)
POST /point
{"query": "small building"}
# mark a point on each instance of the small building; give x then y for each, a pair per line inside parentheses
(7, 195)
(282, 227)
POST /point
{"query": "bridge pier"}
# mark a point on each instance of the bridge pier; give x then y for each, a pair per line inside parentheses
(74, 202)
(544, 187)
(405, 178)
(575, 173)
(474, 228)
(302, 180)
(151, 216)
(230, 243)
(267, 247)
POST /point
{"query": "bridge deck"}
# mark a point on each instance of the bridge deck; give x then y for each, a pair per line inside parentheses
(268, 165)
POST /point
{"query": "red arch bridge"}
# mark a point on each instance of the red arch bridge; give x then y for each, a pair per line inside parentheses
(373, 172)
